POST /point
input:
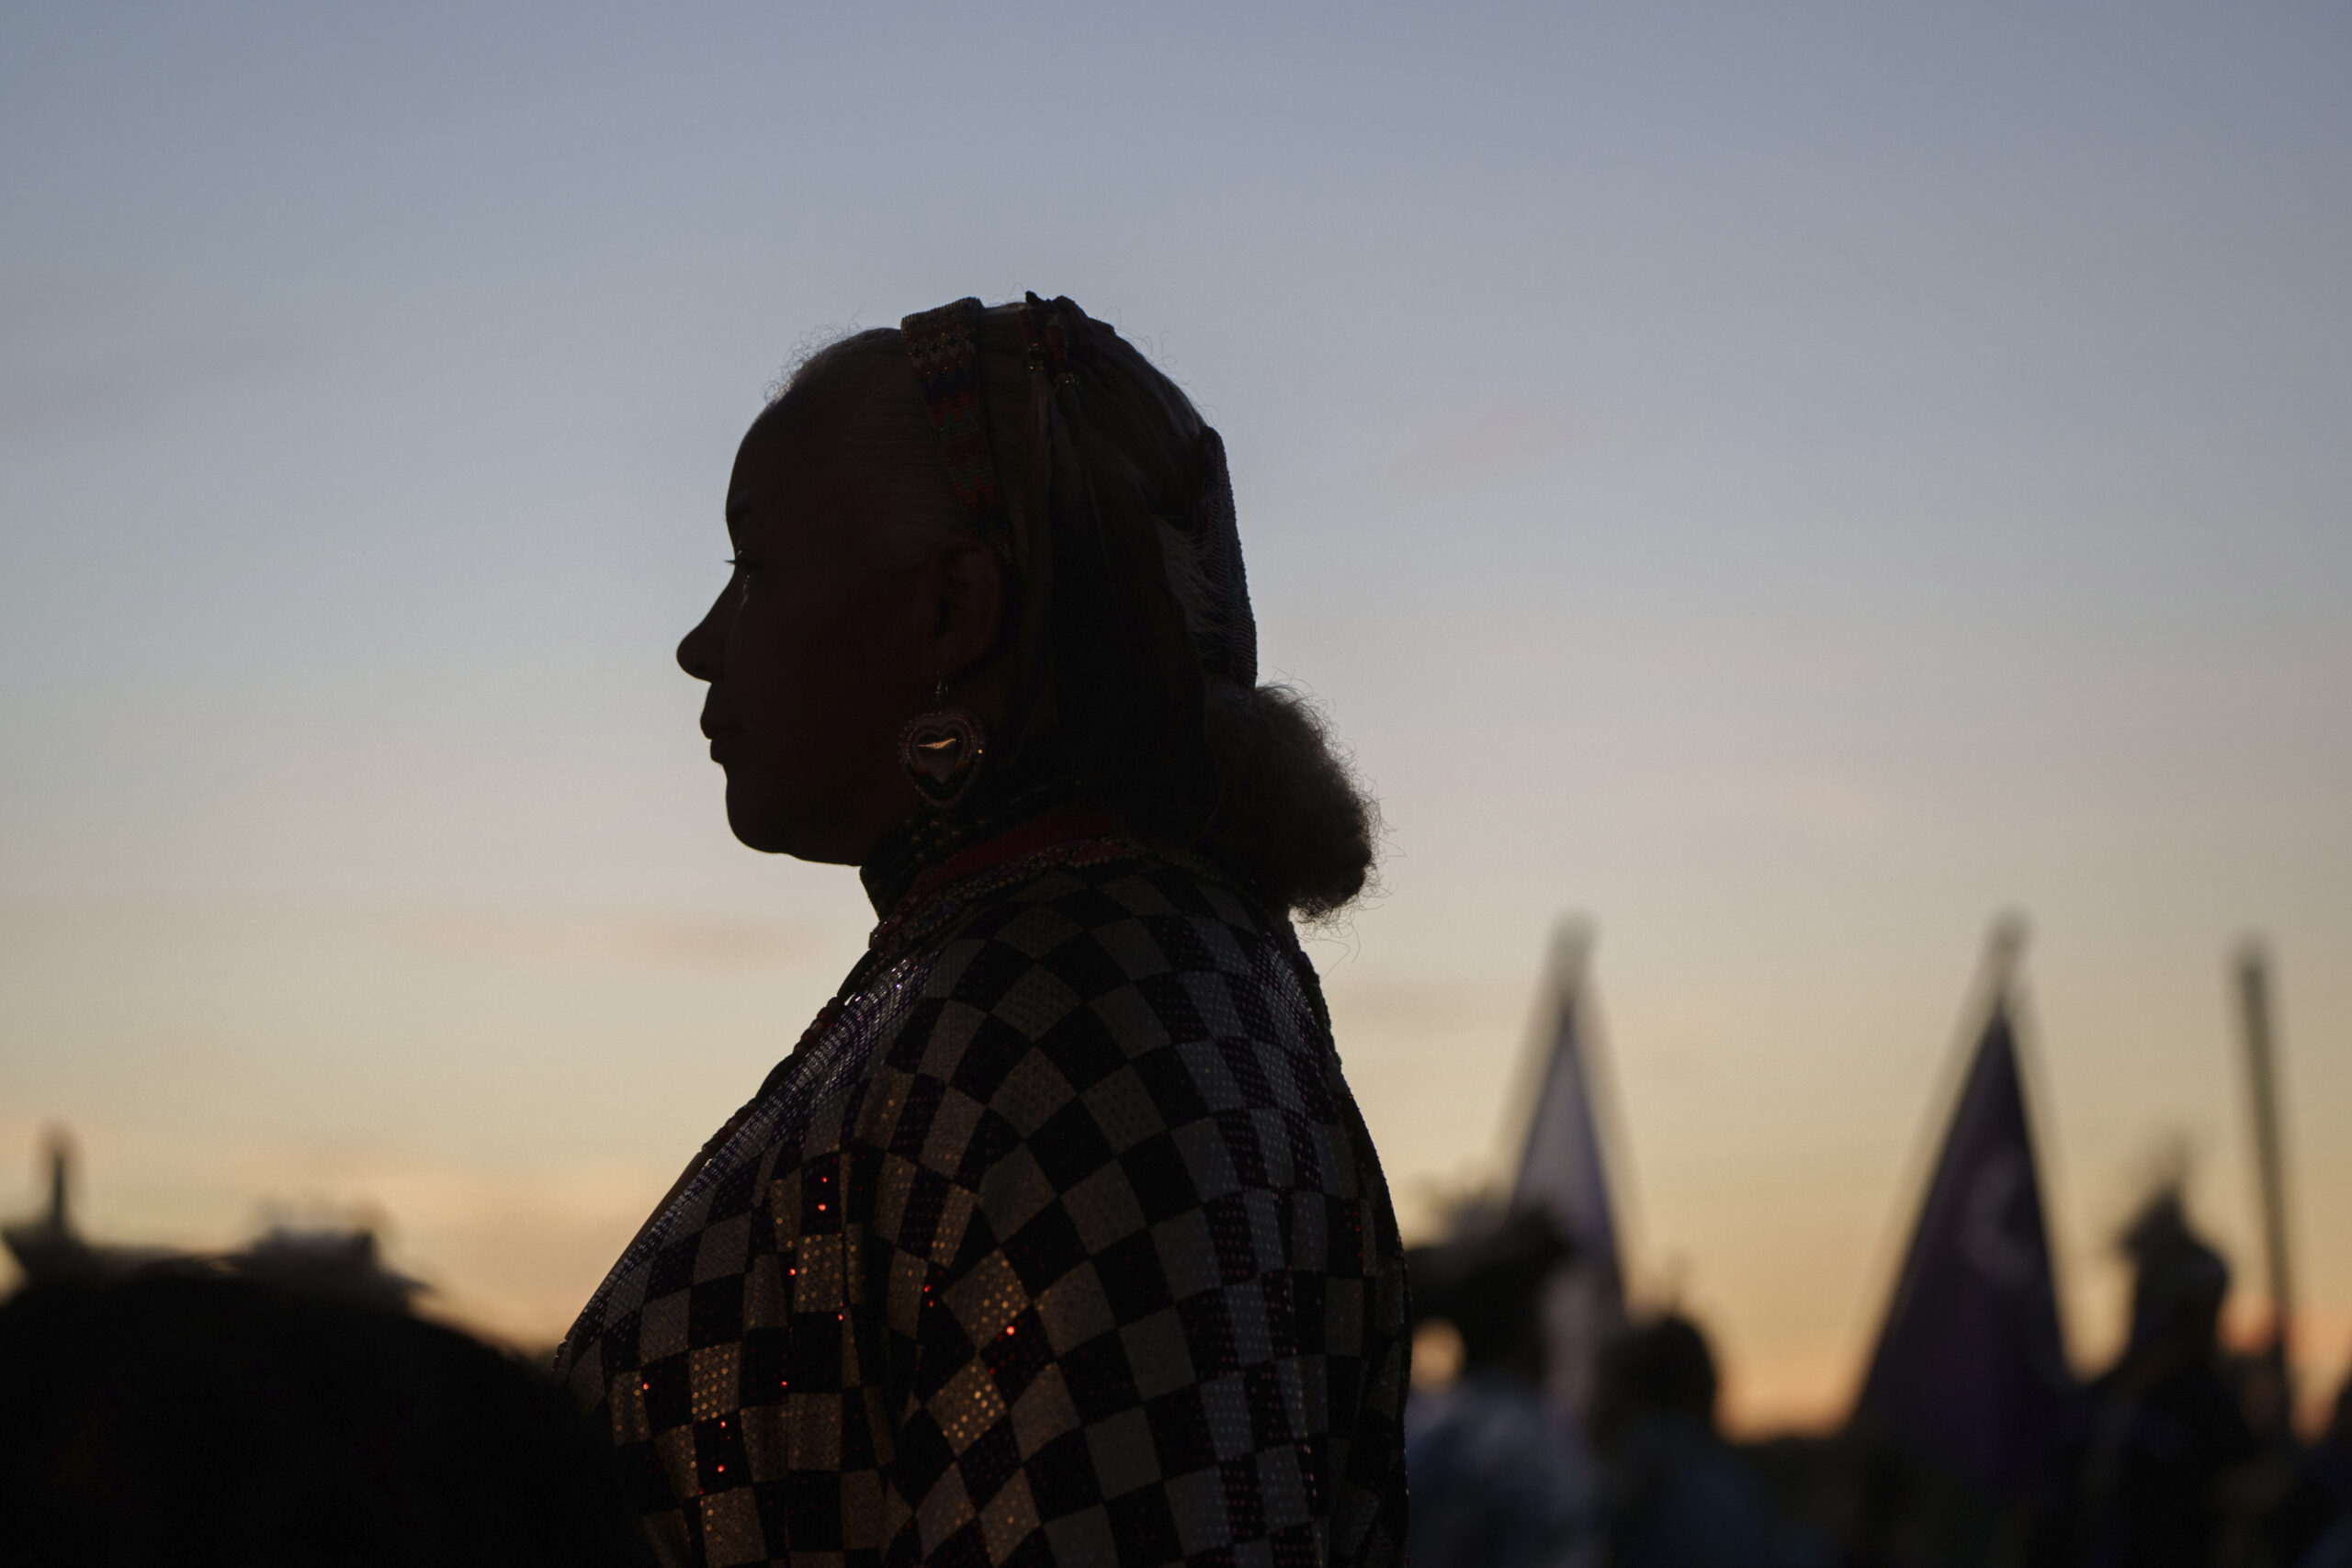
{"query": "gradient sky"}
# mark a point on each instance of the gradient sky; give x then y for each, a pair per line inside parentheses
(1789, 482)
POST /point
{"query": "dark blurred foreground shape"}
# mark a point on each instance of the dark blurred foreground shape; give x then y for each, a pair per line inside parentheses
(277, 1406)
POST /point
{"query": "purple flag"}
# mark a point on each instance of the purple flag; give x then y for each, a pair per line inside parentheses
(1970, 1368)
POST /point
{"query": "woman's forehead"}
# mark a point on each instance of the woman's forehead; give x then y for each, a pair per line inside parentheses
(781, 479)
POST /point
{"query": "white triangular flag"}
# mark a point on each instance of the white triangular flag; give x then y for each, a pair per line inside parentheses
(1564, 1172)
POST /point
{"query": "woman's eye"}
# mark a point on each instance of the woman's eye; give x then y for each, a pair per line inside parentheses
(738, 581)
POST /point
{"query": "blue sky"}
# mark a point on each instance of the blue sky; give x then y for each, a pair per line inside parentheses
(1788, 482)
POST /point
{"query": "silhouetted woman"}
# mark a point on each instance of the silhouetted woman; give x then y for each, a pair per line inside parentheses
(1057, 1238)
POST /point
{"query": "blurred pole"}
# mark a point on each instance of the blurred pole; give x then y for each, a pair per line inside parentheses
(57, 1148)
(2005, 945)
(2262, 1078)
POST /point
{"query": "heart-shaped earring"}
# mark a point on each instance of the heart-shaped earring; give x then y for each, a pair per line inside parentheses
(941, 751)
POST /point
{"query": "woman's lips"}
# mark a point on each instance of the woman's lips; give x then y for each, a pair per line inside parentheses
(722, 740)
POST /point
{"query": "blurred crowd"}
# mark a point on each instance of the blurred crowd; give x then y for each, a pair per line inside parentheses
(2179, 1455)
(284, 1404)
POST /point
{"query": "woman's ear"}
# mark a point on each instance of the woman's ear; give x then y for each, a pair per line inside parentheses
(966, 582)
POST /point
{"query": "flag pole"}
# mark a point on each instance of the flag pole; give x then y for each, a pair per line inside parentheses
(2262, 1079)
(2004, 950)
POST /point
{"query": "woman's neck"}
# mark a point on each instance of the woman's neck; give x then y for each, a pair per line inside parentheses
(1035, 783)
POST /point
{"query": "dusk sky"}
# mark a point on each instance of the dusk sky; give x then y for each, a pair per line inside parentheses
(1786, 483)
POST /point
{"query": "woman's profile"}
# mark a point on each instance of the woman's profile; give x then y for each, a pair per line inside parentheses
(1057, 1238)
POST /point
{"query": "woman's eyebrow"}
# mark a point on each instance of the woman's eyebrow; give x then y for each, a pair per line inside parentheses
(739, 517)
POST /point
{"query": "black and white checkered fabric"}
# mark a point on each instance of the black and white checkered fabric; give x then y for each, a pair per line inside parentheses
(1064, 1244)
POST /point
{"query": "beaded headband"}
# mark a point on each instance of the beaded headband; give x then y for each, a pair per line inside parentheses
(944, 346)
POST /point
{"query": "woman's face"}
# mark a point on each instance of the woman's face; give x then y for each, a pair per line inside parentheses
(816, 657)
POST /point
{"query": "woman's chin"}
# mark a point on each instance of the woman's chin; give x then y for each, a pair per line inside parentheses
(774, 827)
(757, 818)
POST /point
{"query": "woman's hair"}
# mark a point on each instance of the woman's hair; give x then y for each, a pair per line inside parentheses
(1289, 821)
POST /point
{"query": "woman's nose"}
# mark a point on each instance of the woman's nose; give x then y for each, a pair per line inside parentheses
(698, 650)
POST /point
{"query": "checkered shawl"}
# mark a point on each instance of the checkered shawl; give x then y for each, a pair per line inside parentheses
(1061, 1241)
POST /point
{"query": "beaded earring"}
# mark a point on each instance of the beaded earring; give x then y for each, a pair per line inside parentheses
(941, 750)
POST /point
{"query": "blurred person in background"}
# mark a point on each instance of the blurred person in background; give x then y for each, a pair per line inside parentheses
(1059, 1238)
(1500, 1479)
(2171, 1463)
(2311, 1527)
(1678, 1495)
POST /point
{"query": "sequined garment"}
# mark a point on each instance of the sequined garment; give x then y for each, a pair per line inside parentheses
(1060, 1241)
